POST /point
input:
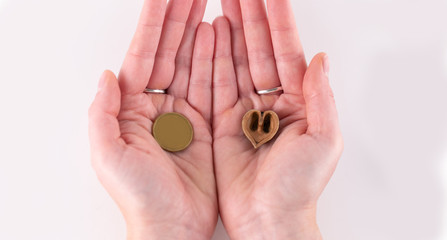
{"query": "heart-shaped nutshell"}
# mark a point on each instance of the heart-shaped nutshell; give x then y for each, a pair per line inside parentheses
(260, 127)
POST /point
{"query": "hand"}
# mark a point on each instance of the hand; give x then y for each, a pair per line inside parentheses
(271, 192)
(162, 195)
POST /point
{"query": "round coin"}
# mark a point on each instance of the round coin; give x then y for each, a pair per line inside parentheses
(173, 132)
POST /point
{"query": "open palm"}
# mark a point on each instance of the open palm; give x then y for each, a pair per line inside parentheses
(279, 183)
(212, 74)
(170, 194)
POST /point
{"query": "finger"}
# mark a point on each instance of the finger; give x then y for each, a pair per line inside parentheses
(104, 131)
(173, 28)
(139, 61)
(199, 93)
(320, 105)
(232, 11)
(259, 45)
(183, 60)
(225, 93)
(289, 55)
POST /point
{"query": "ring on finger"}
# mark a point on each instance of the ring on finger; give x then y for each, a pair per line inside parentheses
(156, 91)
(270, 91)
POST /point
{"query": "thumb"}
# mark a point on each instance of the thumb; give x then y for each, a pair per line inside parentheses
(321, 111)
(104, 131)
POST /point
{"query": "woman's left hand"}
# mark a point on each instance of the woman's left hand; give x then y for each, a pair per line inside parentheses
(162, 195)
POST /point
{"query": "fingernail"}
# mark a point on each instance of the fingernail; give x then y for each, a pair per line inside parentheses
(102, 81)
(326, 65)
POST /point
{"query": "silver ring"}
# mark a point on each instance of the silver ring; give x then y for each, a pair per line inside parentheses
(268, 91)
(157, 91)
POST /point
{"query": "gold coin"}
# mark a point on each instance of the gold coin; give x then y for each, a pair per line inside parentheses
(173, 132)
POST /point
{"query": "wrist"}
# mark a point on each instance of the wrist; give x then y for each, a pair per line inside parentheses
(164, 231)
(279, 225)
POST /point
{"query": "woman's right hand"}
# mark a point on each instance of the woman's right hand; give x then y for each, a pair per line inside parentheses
(271, 192)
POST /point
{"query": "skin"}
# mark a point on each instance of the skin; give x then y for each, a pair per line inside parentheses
(211, 73)
(162, 195)
(270, 192)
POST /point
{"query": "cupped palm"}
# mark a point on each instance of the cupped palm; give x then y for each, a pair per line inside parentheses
(180, 185)
(161, 194)
(282, 179)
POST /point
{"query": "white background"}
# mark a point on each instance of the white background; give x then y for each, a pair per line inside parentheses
(389, 74)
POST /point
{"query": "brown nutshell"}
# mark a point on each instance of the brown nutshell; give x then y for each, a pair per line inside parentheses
(260, 127)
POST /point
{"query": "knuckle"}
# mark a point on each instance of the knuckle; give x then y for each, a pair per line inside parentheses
(202, 82)
(288, 57)
(240, 60)
(167, 54)
(260, 56)
(184, 61)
